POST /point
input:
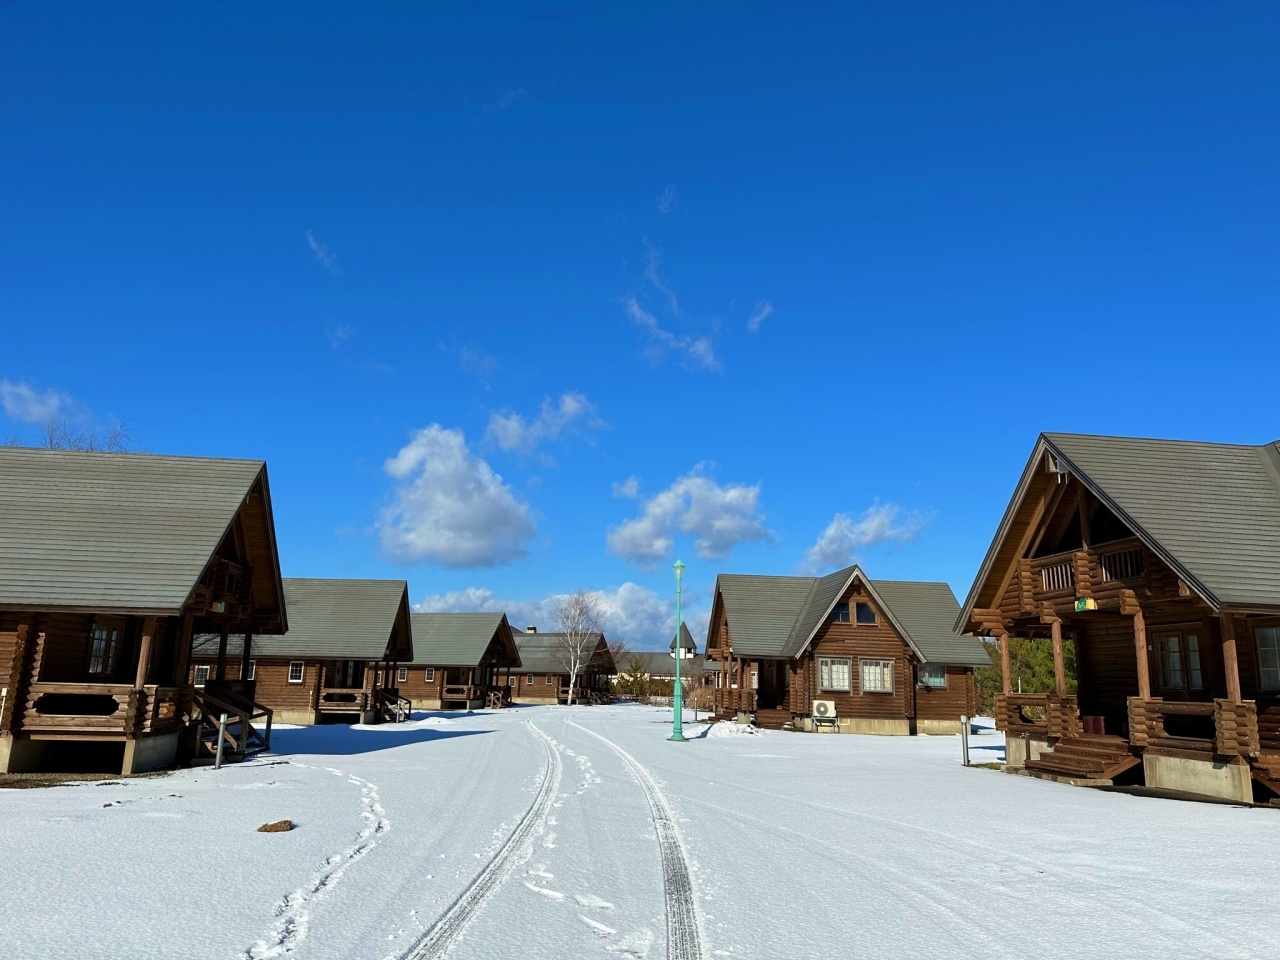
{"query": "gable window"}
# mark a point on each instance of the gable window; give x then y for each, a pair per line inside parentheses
(834, 675)
(1268, 639)
(865, 614)
(202, 674)
(840, 613)
(297, 669)
(104, 648)
(402, 674)
(932, 675)
(1180, 662)
(431, 675)
(253, 670)
(877, 676)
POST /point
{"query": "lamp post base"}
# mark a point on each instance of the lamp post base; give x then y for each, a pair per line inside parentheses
(680, 739)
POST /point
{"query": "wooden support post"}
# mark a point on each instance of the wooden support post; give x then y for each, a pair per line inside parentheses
(182, 662)
(1230, 660)
(222, 651)
(1140, 650)
(145, 646)
(1006, 671)
(1059, 665)
(247, 652)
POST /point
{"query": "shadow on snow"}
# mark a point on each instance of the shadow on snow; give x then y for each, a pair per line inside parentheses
(340, 740)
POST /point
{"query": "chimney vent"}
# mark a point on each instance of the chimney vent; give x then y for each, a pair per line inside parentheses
(531, 629)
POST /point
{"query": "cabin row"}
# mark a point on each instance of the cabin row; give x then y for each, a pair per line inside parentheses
(144, 621)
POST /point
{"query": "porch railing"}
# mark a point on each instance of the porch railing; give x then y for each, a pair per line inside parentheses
(1039, 716)
(460, 691)
(104, 708)
(343, 698)
(1232, 728)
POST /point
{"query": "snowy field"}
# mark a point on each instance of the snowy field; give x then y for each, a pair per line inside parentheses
(551, 832)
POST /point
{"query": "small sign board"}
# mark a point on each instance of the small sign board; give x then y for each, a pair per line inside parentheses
(1085, 603)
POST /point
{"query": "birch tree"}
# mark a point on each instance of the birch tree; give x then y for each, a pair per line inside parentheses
(579, 621)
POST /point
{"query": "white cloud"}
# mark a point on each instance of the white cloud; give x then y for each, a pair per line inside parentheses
(844, 537)
(326, 257)
(339, 334)
(26, 404)
(509, 99)
(573, 411)
(698, 351)
(653, 260)
(718, 517)
(667, 202)
(629, 489)
(631, 612)
(449, 507)
(758, 315)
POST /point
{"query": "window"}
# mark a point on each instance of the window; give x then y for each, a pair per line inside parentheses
(833, 675)
(932, 675)
(877, 676)
(511, 681)
(1180, 662)
(296, 670)
(202, 674)
(104, 646)
(1269, 656)
(402, 674)
(865, 614)
(253, 670)
(840, 613)
(548, 679)
(528, 678)
(431, 675)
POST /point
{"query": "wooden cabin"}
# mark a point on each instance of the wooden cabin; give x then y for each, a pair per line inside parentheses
(661, 665)
(338, 662)
(461, 661)
(109, 564)
(544, 674)
(880, 656)
(1160, 561)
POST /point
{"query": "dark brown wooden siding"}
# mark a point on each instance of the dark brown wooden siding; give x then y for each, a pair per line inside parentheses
(957, 699)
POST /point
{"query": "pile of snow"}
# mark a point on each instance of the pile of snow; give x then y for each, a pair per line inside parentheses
(733, 729)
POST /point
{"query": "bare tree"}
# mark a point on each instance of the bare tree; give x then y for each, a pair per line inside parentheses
(62, 435)
(579, 621)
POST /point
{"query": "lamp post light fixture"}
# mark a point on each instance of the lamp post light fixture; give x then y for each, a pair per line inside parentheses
(677, 694)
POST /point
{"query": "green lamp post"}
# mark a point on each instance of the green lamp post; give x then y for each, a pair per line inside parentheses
(677, 698)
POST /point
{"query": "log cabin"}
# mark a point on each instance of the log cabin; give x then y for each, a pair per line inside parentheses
(661, 665)
(544, 674)
(462, 661)
(1160, 561)
(109, 564)
(883, 656)
(336, 664)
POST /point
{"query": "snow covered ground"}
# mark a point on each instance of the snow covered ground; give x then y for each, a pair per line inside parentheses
(549, 832)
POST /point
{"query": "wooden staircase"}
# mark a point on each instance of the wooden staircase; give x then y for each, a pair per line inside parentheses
(245, 733)
(1087, 757)
(773, 719)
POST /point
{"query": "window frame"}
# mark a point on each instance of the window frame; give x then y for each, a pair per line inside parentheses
(1189, 653)
(113, 627)
(828, 661)
(839, 613)
(402, 674)
(429, 675)
(253, 670)
(549, 680)
(528, 679)
(196, 680)
(1273, 648)
(893, 675)
(858, 607)
(941, 667)
(302, 671)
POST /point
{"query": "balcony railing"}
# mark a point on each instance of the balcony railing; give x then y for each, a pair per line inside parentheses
(1039, 716)
(1098, 571)
(1218, 727)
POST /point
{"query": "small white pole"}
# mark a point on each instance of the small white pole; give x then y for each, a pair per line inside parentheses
(964, 739)
(222, 734)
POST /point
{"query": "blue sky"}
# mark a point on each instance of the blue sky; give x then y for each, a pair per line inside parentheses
(520, 298)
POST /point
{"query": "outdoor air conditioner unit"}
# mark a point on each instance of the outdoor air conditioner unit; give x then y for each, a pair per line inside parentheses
(824, 708)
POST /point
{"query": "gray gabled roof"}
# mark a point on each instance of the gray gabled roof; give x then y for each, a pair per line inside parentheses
(459, 639)
(541, 652)
(686, 640)
(780, 616)
(1211, 511)
(333, 620)
(113, 531)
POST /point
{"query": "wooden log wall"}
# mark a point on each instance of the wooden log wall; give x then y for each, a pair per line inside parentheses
(959, 697)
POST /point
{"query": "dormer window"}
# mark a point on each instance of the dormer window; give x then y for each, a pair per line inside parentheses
(840, 613)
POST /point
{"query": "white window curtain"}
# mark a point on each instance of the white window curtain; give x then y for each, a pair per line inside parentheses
(834, 674)
(877, 676)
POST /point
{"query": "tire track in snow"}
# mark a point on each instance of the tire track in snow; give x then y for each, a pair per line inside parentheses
(442, 935)
(293, 913)
(684, 925)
